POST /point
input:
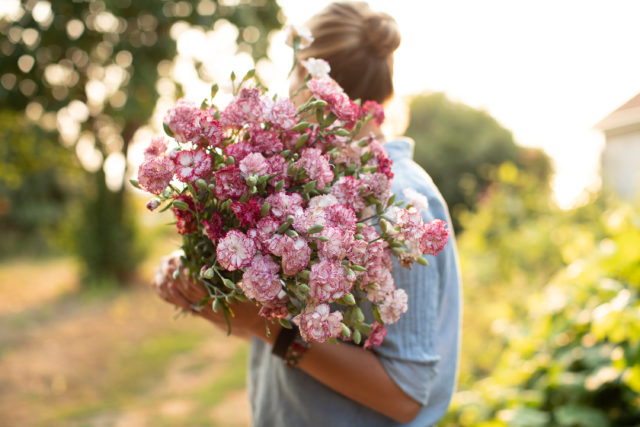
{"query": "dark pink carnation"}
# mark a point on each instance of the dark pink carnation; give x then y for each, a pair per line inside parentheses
(261, 281)
(376, 336)
(328, 282)
(214, 227)
(382, 159)
(235, 250)
(192, 164)
(247, 213)
(375, 110)
(181, 119)
(155, 174)
(434, 238)
(316, 165)
(185, 220)
(274, 309)
(347, 191)
(317, 323)
(229, 183)
(156, 148)
(239, 150)
(277, 166)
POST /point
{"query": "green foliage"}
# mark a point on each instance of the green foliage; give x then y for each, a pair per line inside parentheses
(560, 293)
(93, 66)
(457, 145)
(35, 175)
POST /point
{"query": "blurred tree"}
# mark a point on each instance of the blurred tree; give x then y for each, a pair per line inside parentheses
(87, 72)
(457, 145)
(35, 172)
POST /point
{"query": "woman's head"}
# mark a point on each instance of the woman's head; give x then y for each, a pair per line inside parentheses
(358, 43)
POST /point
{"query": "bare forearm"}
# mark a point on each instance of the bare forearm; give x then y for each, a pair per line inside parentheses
(358, 375)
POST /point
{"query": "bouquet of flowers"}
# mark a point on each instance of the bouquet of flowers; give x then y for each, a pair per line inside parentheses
(283, 206)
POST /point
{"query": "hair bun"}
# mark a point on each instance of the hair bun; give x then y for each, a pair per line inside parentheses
(380, 34)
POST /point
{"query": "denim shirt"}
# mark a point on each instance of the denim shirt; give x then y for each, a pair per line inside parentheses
(420, 352)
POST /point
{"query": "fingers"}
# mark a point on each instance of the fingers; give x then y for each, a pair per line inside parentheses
(175, 297)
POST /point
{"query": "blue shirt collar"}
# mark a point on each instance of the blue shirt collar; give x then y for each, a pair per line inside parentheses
(400, 148)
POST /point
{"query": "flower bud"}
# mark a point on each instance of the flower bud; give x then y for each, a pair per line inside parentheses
(357, 337)
(300, 127)
(422, 261)
(291, 233)
(201, 184)
(349, 299)
(135, 183)
(303, 289)
(216, 305)
(305, 274)
(153, 204)
(346, 332)
(280, 185)
(315, 229)
(285, 323)
(358, 267)
(230, 160)
(358, 314)
(208, 273)
(229, 283)
(252, 180)
(358, 237)
(264, 210)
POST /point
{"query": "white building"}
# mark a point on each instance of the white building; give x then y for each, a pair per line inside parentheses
(621, 155)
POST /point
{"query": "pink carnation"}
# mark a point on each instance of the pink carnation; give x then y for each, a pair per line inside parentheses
(235, 251)
(255, 165)
(342, 217)
(246, 108)
(357, 251)
(274, 309)
(316, 166)
(261, 281)
(376, 336)
(318, 323)
(155, 174)
(278, 167)
(434, 238)
(308, 218)
(213, 227)
(322, 201)
(378, 282)
(281, 112)
(156, 148)
(376, 185)
(247, 213)
(347, 191)
(181, 120)
(192, 164)
(375, 110)
(283, 204)
(393, 306)
(410, 223)
(382, 159)
(210, 128)
(296, 254)
(327, 281)
(229, 183)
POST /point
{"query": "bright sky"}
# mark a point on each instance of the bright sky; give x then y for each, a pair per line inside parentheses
(547, 70)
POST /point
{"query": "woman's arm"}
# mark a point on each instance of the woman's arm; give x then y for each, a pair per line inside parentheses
(352, 371)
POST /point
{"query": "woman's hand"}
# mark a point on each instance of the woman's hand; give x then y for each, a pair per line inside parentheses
(187, 293)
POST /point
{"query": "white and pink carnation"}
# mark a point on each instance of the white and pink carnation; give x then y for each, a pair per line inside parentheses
(281, 112)
(235, 250)
(275, 309)
(284, 204)
(342, 217)
(246, 108)
(347, 191)
(278, 168)
(156, 148)
(210, 128)
(155, 174)
(336, 245)
(393, 306)
(357, 251)
(318, 324)
(181, 120)
(322, 201)
(254, 165)
(265, 141)
(378, 282)
(192, 164)
(229, 183)
(264, 232)
(303, 220)
(377, 185)
(434, 238)
(328, 281)
(316, 165)
(410, 222)
(416, 199)
(296, 255)
(261, 281)
(318, 68)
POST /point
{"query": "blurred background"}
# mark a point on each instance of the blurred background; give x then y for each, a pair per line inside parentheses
(527, 116)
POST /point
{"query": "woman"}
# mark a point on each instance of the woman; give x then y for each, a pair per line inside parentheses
(408, 379)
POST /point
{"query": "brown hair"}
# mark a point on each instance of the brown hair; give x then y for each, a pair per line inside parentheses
(358, 44)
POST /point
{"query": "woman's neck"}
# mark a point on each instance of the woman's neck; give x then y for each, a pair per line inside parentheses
(371, 129)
